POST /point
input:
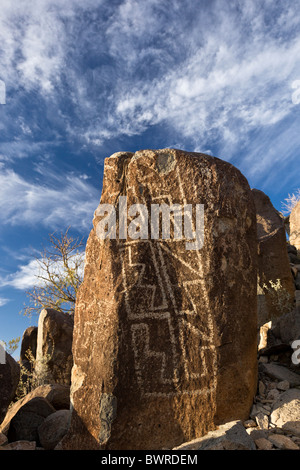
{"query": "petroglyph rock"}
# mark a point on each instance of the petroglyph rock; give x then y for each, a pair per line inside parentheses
(165, 337)
(276, 290)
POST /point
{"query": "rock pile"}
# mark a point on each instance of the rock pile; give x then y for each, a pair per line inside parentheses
(39, 420)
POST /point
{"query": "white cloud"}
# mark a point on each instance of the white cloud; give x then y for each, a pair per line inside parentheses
(3, 301)
(26, 277)
(63, 200)
(212, 71)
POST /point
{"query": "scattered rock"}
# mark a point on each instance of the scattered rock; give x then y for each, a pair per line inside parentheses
(273, 394)
(230, 436)
(256, 433)
(283, 386)
(282, 442)
(286, 412)
(20, 445)
(250, 423)
(52, 430)
(281, 373)
(262, 421)
(263, 444)
(23, 424)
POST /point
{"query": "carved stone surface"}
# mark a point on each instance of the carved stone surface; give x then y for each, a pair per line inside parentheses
(164, 341)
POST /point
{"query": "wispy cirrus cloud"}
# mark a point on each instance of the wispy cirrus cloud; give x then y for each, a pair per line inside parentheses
(28, 274)
(3, 301)
(212, 73)
(59, 201)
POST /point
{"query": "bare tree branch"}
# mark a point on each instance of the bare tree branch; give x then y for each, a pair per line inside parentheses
(59, 277)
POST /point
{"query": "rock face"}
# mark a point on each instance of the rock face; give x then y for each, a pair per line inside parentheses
(286, 412)
(53, 429)
(165, 337)
(25, 416)
(54, 347)
(24, 424)
(29, 342)
(295, 226)
(9, 379)
(276, 290)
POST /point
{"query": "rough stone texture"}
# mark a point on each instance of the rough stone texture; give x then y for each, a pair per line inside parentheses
(229, 436)
(9, 379)
(286, 412)
(276, 371)
(3, 439)
(58, 395)
(263, 444)
(52, 430)
(54, 346)
(295, 226)
(273, 261)
(29, 342)
(288, 326)
(165, 338)
(20, 445)
(282, 442)
(24, 424)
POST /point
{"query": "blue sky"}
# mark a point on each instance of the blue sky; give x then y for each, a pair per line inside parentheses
(87, 78)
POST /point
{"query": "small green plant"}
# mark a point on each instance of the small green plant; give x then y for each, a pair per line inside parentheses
(12, 345)
(32, 376)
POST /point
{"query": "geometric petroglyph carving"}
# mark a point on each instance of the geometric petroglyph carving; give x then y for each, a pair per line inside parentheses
(163, 313)
(154, 313)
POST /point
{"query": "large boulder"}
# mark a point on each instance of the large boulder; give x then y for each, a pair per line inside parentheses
(54, 427)
(54, 358)
(57, 395)
(9, 379)
(295, 226)
(28, 346)
(276, 289)
(286, 412)
(24, 424)
(165, 336)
